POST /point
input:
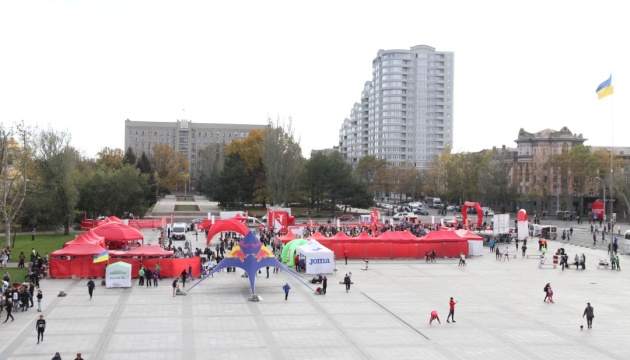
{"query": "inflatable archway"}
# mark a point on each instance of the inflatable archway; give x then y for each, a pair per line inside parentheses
(477, 207)
(288, 251)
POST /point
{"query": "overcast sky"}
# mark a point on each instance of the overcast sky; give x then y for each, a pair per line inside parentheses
(86, 66)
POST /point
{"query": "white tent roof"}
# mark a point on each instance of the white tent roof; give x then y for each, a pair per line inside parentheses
(313, 247)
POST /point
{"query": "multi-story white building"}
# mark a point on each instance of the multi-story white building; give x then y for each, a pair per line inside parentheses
(406, 112)
(184, 136)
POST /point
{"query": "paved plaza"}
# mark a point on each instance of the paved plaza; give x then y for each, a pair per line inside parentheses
(500, 314)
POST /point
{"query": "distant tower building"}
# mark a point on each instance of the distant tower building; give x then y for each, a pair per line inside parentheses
(406, 112)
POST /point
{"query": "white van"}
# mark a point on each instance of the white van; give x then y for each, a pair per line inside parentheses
(230, 214)
(253, 222)
(178, 231)
(536, 230)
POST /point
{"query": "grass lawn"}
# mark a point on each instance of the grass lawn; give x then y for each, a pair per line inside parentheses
(17, 275)
(186, 208)
(185, 198)
(44, 243)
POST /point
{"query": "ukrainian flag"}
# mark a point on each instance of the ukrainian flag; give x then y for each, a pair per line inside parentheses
(604, 89)
(104, 256)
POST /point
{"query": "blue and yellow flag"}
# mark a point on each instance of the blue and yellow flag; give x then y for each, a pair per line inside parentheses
(604, 89)
(104, 256)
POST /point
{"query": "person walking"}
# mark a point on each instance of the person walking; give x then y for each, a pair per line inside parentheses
(546, 290)
(506, 254)
(57, 356)
(286, 289)
(346, 280)
(40, 326)
(462, 259)
(617, 263)
(175, 286)
(346, 255)
(491, 245)
(589, 313)
(324, 284)
(91, 287)
(549, 294)
(184, 275)
(156, 276)
(141, 276)
(39, 300)
(9, 309)
(524, 249)
(451, 311)
(497, 253)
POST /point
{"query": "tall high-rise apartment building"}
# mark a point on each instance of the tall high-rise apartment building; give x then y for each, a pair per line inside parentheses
(186, 137)
(406, 112)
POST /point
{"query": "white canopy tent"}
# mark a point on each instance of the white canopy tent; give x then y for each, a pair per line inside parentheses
(117, 275)
(318, 258)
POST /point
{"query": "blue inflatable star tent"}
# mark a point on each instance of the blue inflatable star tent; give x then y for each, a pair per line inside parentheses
(250, 255)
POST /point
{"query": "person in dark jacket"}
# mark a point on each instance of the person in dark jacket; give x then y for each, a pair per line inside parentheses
(589, 313)
(40, 326)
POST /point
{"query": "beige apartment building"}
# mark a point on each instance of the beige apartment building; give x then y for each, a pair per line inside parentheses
(185, 136)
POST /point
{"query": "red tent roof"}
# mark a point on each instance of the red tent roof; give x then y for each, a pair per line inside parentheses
(397, 235)
(317, 236)
(363, 236)
(442, 236)
(149, 250)
(112, 219)
(88, 238)
(340, 236)
(79, 250)
(238, 216)
(117, 232)
(468, 235)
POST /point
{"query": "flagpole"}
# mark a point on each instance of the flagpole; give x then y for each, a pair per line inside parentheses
(612, 140)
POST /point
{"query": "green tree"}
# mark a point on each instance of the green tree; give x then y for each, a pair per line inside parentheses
(171, 167)
(235, 185)
(130, 157)
(109, 157)
(56, 161)
(367, 171)
(210, 164)
(15, 165)
(282, 159)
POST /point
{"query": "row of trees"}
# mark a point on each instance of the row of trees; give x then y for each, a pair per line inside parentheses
(48, 183)
(267, 167)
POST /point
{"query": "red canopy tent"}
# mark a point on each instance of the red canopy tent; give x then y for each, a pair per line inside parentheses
(112, 219)
(397, 235)
(286, 238)
(363, 236)
(76, 260)
(87, 238)
(149, 250)
(116, 235)
(468, 235)
(340, 236)
(317, 236)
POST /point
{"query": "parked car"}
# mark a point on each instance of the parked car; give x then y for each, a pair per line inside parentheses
(450, 208)
(489, 213)
(346, 217)
(403, 215)
(421, 211)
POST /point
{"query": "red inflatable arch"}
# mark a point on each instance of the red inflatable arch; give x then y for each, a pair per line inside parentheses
(476, 205)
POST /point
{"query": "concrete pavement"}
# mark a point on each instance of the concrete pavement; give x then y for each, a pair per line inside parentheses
(500, 314)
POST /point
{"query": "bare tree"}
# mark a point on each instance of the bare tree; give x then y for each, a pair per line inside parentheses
(282, 159)
(15, 159)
